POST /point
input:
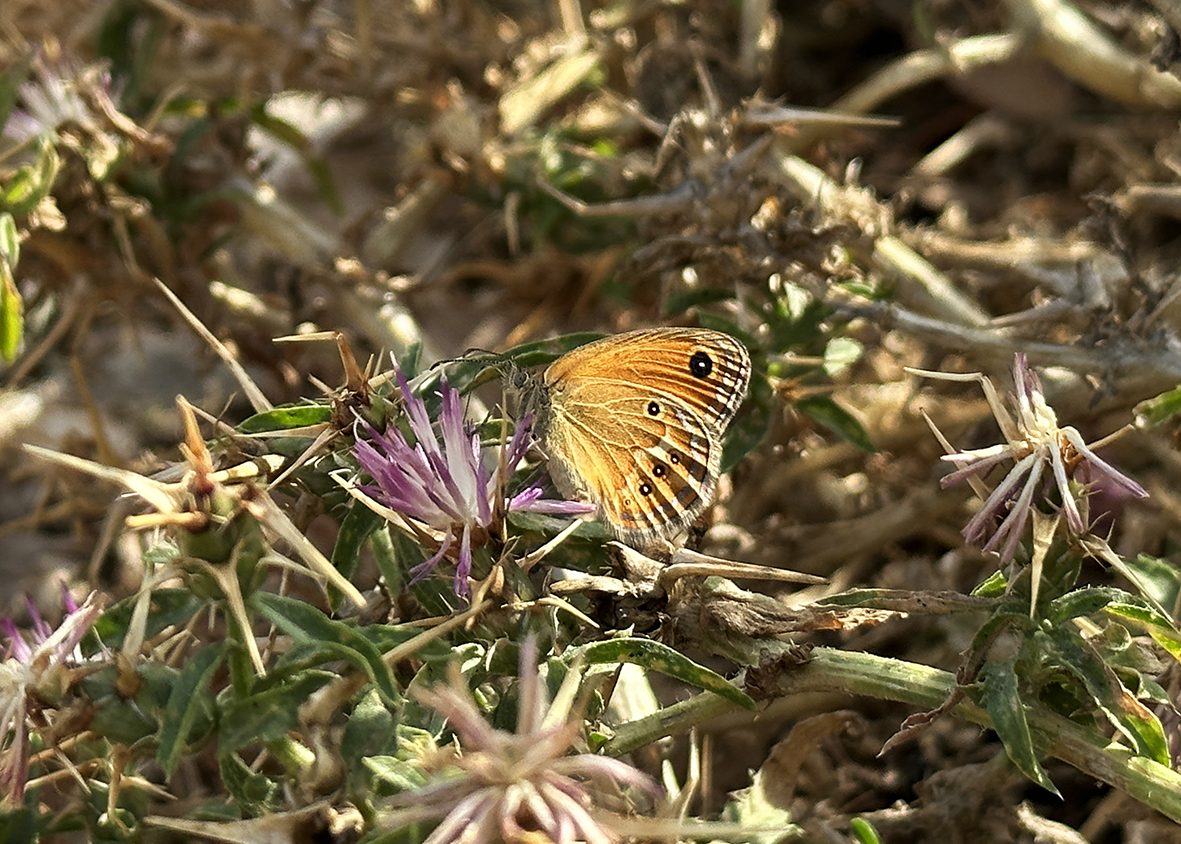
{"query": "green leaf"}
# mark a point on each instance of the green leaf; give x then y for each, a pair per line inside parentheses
(356, 527)
(10, 242)
(942, 602)
(254, 792)
(18, 825)
(828, 413)
(359, 522)
(1152, 412)
(477, 368)
(306, 624)
(1000, 698)
(541, 352)
(371, 729)
(295, 660)
(795, 321)
(1160, 628)
(1083, 602)
(992, 586)
(286, 418)
(12, 306)
(751, 425)
(119, 39)
(32, 182)
(385, 554)
(864, 832)
(267, 714)
(658, 657)
(12, 315)
(795, 302)
(761, 819)
(389, 636)
(117, 718)
(394, 774)
(1142, 576)
(436, 591)
(859, 287)
(190, 696)
(289, 134)
(168, 608)
(1128, 715)
(548, 525)
(1161, 579)
(581, 551)
(841, 353)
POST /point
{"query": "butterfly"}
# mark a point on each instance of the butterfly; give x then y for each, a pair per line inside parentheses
(634, 423)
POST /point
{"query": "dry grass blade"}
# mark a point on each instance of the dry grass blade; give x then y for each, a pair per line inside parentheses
(257, 400)
(158, 495)
(263, 507)
(688, 563)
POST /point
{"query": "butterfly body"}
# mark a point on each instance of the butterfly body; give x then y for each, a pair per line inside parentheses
(634, 423)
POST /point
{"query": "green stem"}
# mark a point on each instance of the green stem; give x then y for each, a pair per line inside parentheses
(296, 758)
(831, 670)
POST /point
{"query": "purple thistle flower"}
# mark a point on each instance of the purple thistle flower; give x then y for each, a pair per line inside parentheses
(1044, 454)
(34, 660)
(449, 483)
(503, 786)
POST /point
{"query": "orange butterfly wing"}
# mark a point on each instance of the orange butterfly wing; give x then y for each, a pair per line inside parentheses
(635, 423)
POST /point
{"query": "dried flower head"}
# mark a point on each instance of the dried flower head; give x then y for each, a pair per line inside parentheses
(449, 483)
(57, 94)
(35, 663)
(1045, 455)
(503, 786)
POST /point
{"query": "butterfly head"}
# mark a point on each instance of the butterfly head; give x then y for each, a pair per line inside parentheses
(532, 396)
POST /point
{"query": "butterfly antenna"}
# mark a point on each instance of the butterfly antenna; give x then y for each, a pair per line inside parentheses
(500, 361)
(471, 350)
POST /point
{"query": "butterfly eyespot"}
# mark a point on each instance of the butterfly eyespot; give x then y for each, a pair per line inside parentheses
(659, 470)
(645, 489)
(653, 408)
(701, 364)
(674, 458)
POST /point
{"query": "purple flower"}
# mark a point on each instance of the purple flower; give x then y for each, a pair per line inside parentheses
(503, 786)
(34, 661)
(449, 483)
(1044, 454)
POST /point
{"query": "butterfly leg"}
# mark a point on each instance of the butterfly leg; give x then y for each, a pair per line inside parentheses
(696, 534)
